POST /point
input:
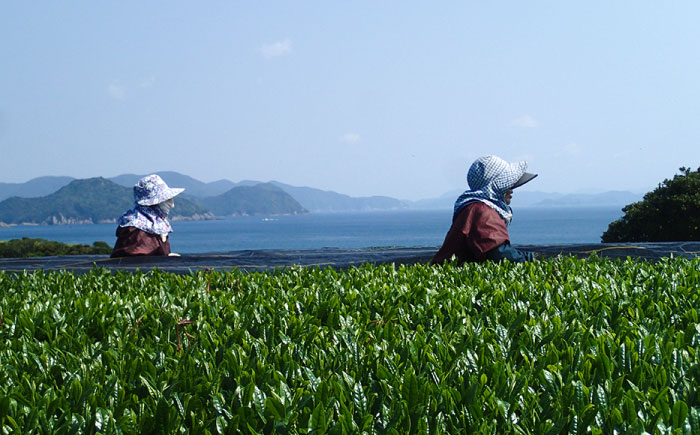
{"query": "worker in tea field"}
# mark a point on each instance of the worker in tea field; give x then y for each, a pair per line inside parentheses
(479, 230)
(144, 229)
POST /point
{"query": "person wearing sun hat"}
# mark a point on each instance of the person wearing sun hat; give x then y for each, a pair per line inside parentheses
(482, 214)
(144, 229)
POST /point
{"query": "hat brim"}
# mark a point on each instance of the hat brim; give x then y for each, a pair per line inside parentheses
(525, 178)
(170, 193)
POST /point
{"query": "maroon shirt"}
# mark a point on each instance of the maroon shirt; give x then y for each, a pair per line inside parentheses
(475, 231)
(133, 241)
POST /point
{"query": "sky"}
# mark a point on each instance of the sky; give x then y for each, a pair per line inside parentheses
(364, 98)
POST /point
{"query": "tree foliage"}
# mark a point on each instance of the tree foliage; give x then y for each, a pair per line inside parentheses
(27, 247)
(671, 212)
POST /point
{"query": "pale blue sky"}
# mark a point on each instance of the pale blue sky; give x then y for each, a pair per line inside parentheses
(391, 98)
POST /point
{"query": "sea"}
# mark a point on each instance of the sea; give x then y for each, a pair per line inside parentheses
(530, 226)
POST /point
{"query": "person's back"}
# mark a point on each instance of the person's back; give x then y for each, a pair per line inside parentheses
(133, 241)
(476, 230)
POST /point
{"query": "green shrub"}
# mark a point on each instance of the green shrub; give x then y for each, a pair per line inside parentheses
(669, 213)
(26, 247)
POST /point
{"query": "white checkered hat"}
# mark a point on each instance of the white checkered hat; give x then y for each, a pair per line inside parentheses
(495, 172)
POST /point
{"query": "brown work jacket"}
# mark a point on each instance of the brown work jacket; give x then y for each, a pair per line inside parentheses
(476, 230)
(133, 241)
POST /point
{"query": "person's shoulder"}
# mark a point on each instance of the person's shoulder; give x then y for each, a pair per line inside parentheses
(475, 212)
(475, 208)
(481, 208)
(127, 229)
(485, 214)
(131, 231)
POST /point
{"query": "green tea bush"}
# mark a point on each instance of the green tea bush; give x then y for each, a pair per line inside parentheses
(557, 346)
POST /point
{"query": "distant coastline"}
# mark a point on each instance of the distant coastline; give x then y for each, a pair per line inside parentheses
(341, 230)
(68, 201)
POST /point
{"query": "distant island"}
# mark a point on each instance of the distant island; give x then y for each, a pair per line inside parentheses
(261, 199)
(98, 200)
(65, 200)
(87, 201)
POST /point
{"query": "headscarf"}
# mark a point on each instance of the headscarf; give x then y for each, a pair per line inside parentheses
(489, 178)
(147, 218)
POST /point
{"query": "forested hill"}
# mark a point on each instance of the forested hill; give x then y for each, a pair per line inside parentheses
(311, 199)
(261, 199)
(318, 200)
(92, 200)
(98, 200)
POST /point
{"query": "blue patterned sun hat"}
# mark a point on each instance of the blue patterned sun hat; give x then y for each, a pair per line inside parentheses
(152, 190)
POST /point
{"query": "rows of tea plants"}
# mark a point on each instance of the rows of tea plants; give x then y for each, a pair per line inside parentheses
(557, 346)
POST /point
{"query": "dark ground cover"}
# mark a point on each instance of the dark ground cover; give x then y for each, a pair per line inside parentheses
(256, 260)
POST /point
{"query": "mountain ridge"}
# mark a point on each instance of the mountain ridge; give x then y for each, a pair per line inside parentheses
(98, 200)
(90, 200)
(39, 186)
(326, 201)
(246, 201)
(318, 200)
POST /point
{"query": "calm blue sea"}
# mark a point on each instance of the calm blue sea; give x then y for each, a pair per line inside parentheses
(342, 230)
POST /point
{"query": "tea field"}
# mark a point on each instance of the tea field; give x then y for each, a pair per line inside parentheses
(563, 345)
